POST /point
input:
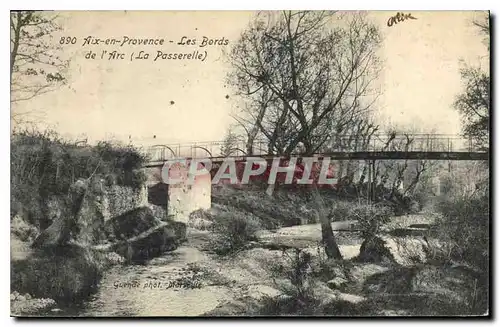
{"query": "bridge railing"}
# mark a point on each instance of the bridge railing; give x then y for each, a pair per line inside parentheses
(345, 143)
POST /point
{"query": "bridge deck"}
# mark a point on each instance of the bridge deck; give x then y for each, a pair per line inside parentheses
(341, 147)
(366, 155)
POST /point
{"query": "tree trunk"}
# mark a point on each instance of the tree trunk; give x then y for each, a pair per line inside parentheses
(15, 44)
(331, 248)
(255, 130)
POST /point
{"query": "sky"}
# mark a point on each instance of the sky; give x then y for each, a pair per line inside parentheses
(182, 101)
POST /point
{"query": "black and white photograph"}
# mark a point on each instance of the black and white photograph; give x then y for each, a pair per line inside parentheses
(283, 163)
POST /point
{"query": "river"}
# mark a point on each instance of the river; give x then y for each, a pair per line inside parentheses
(181, 282)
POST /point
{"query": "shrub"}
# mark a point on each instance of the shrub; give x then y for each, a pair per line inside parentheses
(296, 284)
(44, 166)
(464, 209)
(285, 208)
(370, 217)
(66, 277)
(26, 305)
(233, 231)
(341, 210)
(200, 219)
(464, 229)
(24, 231)
(465, 226)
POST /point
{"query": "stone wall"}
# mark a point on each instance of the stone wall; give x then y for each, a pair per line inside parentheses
(118, 200)
(102, 203)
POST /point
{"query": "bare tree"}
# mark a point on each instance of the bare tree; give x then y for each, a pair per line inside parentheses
(483, 25)
(230, 144)
(316, 76)
(35, 67)
(307, 78)
(473, 103)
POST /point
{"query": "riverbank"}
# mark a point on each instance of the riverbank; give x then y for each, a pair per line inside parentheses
(194, 281)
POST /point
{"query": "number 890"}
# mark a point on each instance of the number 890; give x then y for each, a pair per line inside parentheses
(67, 40)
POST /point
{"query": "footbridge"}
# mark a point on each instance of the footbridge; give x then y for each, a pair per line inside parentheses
(181, 200)
(346, 147)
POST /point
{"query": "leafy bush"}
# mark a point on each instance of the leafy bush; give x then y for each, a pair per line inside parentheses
(233, 231)
(200, 219)
(370, 217)
(68, 277)
(464, 229)
(25, 304)
(24, 231)
(464, 208)
(287, 207)
(465, 226)
(43, 166)
(341, 210)
(295, 281)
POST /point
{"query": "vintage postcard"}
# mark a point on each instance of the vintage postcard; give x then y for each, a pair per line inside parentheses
(250, 163)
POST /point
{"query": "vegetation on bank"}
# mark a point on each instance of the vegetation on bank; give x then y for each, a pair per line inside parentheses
(447, 270)
(44, 166)
(52, 180)
(71, 274)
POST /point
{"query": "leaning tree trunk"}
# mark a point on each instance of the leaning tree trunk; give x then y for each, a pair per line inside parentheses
(331, 247)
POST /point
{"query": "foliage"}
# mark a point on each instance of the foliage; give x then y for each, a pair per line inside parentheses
(200, 219)
(233, 231)
(300, 281)
(44, 166)
(230, 144)
(370, 217)
(473, 104)
(341, 210)
(295, 280)
(22, 229)
(483, 26)
(427, 290)
(68, 277)
(285, 208)
(465, 227)
(27, 305)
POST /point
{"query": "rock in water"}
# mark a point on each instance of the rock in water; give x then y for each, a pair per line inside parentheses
(374, 249)
(404, 251)
(131, 223)
(139, 235)
(165, 237)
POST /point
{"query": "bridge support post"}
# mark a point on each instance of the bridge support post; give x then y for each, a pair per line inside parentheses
(371, 178)
(368, 189)
(374, 190)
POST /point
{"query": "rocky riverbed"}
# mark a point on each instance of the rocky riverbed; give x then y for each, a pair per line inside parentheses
(193, 281)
